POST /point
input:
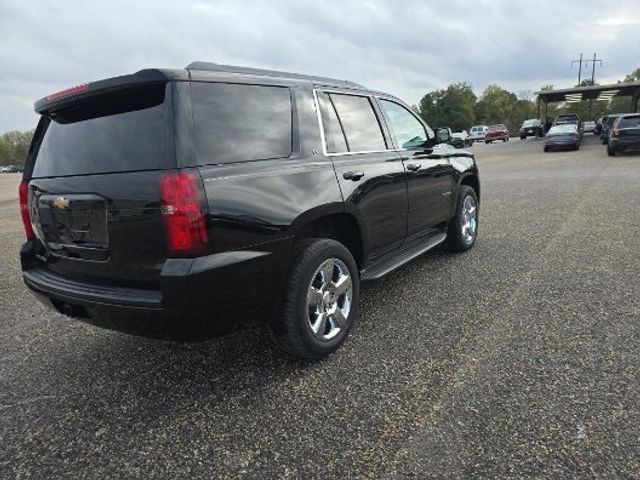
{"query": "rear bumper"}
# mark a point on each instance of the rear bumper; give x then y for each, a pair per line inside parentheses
(222, 288)
(562, 143)
(622, 143)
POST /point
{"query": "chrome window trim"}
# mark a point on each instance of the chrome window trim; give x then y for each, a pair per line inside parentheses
(321, 124)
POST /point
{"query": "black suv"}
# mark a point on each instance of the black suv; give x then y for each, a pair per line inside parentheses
(215, 190)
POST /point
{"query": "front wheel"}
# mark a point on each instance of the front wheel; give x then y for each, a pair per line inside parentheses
(463, 228)
(321, 300)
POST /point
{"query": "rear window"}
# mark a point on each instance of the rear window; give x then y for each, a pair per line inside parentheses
(235, 123)
(564, 128)
(118, 132)
(629, 122)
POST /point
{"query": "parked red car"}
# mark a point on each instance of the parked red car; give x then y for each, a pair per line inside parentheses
(497, 132)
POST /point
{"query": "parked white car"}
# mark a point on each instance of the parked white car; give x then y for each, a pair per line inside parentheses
(478, 132)
(461, 139)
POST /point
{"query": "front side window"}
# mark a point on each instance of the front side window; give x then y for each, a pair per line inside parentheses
(359, 123)
(407, 131)
(235, 122)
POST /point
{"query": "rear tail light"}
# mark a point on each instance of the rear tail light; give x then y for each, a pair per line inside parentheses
(615, 132)
(23, 194)
(181, 199)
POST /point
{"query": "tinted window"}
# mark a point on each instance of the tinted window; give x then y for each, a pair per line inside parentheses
(629, 122)
(333, 134)
(236, 123)
(120, 132)
(407, 131)
(359, 122)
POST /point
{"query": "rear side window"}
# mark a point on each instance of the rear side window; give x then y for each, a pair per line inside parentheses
(235, 123)
(333, 133)
(359, 123)
(118, 132)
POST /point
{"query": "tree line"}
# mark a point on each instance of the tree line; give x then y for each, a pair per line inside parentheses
(14, 147)
(458, 107)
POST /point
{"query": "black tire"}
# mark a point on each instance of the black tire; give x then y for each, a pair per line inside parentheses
(504, 140)
(611, 151)
(546, 149)
(487, 142)
(293, 330)
(455, 239)
(522, 137)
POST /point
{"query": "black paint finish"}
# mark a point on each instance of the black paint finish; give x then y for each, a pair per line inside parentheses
(254, 210)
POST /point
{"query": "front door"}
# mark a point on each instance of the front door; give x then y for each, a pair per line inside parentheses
(429, 173)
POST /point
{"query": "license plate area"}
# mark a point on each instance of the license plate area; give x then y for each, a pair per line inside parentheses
(73, 225)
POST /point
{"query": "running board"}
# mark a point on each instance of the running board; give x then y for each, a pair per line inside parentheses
(399, 258)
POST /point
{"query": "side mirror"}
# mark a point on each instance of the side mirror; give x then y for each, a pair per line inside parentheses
(442, 135)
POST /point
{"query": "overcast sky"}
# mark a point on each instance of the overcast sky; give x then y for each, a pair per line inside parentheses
(406, 47)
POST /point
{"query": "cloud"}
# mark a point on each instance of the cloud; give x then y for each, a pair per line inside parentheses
(407, 48)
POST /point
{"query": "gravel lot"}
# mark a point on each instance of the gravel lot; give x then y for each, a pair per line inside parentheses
(517, 359)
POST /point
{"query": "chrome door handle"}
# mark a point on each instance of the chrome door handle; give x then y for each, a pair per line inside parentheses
(414, 167)
(354, 176)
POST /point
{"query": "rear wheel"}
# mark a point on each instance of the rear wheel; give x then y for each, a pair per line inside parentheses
(522, 137)
(611, 151)
(463, 228)
(546, 149)
(321, 300)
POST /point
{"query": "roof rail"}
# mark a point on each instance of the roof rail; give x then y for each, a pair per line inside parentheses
(216, 67)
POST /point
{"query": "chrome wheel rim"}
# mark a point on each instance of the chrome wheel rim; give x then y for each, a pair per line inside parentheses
(469, 221)
(329, 299)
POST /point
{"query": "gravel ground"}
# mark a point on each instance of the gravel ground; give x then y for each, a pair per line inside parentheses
(517, 359)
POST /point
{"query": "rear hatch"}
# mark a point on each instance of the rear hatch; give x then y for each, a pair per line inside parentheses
(94, 185)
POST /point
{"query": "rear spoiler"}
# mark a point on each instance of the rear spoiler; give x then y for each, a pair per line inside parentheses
(84, 91)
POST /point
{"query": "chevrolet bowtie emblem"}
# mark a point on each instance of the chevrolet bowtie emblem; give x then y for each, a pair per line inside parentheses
(60, 202)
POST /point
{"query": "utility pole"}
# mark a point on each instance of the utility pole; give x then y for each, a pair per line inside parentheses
(579, 68)
(593, 69)
(593, 76)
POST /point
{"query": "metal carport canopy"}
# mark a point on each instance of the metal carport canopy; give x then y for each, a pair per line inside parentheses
(592, 92)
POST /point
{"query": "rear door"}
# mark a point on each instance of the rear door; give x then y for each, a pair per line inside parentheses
(94, 186)
(430, 180)
(371, 174)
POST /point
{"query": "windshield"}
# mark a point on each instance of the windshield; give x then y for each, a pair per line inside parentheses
(529, 123)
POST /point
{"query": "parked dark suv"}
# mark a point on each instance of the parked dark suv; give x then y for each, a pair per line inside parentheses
(216, 190)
